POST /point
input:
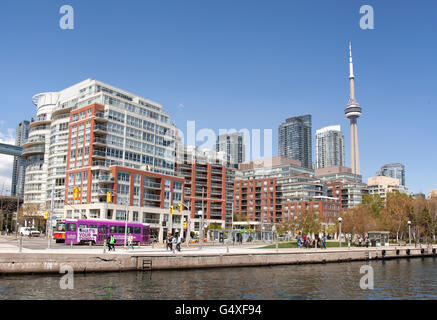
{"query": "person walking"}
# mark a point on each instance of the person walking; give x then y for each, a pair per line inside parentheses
(130, 241)
(112, 243)
(174, 241)
(108, 242)
(178, 244)
(299, 242)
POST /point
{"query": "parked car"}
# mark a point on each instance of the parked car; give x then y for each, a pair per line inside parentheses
(30, 232)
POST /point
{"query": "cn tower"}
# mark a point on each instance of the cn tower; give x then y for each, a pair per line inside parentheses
(353, 112)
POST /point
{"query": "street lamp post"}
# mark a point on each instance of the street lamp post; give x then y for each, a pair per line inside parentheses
(202, 219)
(339, 231)
(409, 231)
(188, 222)
(127, 217)
(17, 193)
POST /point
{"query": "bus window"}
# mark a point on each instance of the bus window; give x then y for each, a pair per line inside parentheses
(113, 229)
(71, 227)
(121, 229)
(103, 229)
(60, 226)
(137, 230)
(83, 226)
(93, 226)
(130, 230)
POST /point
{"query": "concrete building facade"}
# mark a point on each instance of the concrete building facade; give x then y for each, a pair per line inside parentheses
(381, 185)
(19, 165)
(329, 147)
(233, 145)
(295, 140)
(208, 184)
(393, 170)
(82, 131)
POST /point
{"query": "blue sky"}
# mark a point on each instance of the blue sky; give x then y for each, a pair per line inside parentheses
(240, 64)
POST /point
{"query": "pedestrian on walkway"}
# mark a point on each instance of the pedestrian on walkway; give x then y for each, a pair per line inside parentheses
(324, 241)
(174, 241)
(299, 242)
(130, 241)
(112, 243)
(178, 244)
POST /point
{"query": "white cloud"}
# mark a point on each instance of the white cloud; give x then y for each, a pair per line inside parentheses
(6, 162)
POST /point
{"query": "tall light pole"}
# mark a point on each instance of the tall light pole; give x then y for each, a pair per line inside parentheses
(188, 222)
(49, 220)
(409, 231)
(202, 219)
(17, 193)
(339, 231)
(127, 217)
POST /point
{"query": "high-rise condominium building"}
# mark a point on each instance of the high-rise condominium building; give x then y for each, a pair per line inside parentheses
(393, 170)
(19, 166)
(295, 140)
(233, 145)
(99, 138)
(329, 147)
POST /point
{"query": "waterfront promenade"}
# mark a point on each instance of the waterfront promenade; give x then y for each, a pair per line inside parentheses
(94, 259)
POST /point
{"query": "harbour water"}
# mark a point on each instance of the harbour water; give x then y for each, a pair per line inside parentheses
(414, 278)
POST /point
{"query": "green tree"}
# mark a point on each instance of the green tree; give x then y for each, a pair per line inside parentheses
(307, 221)
(374, 203)
(359, 220)
(397, 212)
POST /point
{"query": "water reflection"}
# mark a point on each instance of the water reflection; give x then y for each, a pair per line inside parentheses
(394, 279)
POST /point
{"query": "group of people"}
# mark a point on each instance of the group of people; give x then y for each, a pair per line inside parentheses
(365, 240)
(308, 242)
(174, 243)
(110, 241)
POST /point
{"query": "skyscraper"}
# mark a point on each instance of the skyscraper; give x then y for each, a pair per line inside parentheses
(295, 139)
(329, 147)
(393, 170)
(232, 144)
(353, 112)
(19, 166)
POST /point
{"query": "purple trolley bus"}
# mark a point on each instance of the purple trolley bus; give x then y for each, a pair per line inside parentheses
(96, 231)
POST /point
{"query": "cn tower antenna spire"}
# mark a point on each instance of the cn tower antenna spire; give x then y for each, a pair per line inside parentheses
(351, 74)
(353, 112)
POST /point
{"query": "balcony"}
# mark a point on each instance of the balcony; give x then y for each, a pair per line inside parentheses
(201, 176)
(99, 129)
(33, 150)
(33, 141)
(152, 197)
(151, 221)
(105, 179)
(100, 117)
(98, 154)
(99, 142)
(39, 122)
(216, 178)
(154, 185)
